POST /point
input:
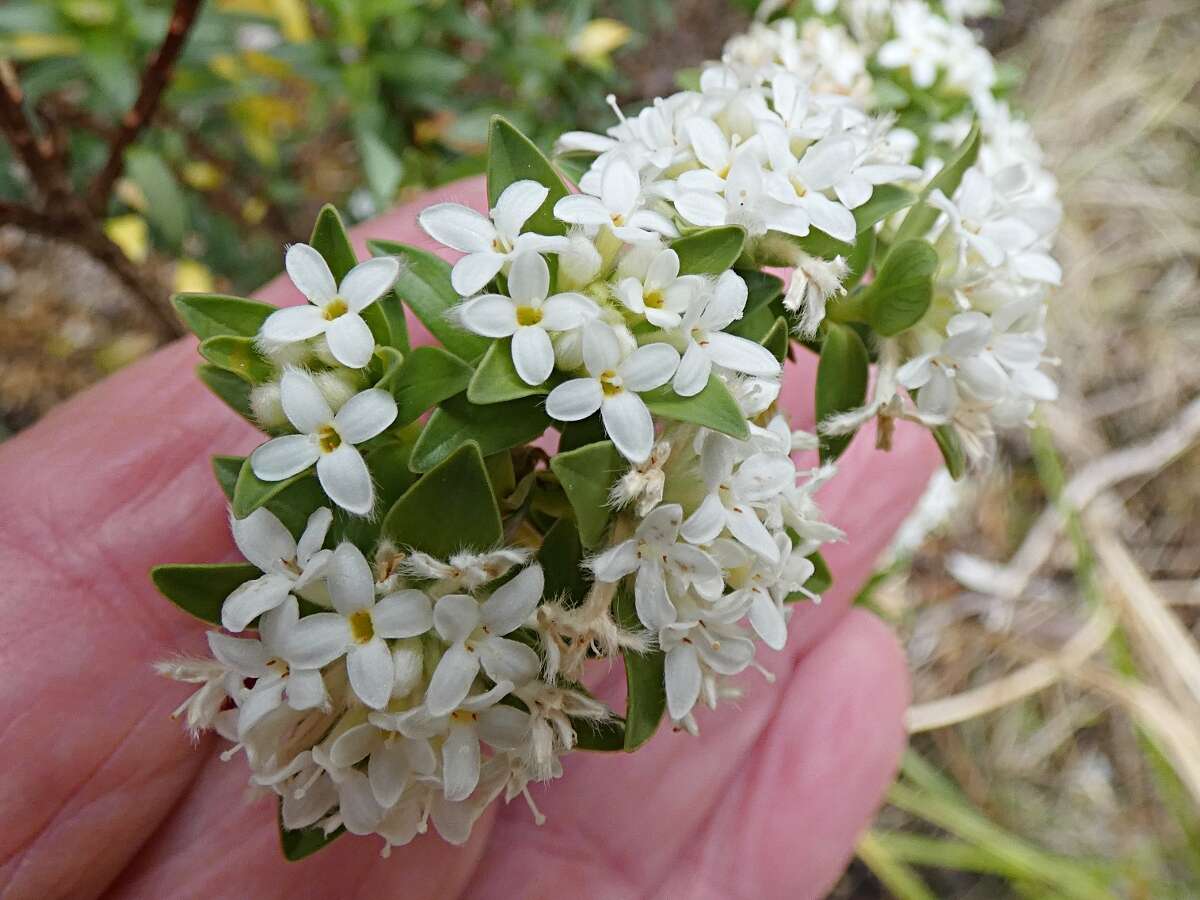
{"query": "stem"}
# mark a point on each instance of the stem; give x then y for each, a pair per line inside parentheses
(154, 81)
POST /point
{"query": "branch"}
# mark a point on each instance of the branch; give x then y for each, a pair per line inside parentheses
(37, 154)
(154, 80)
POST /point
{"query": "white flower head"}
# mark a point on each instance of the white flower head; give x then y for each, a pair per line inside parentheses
(612, 387)
(618, 205)
(287, 565)
(659, 293)
(326, 439)
(528, 316)
(476, 634)
(333, 310)
(489, 243)
(359, 627)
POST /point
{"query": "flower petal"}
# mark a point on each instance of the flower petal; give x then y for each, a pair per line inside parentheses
(403, 614)
(451, 680)
(564, 311)
(369, 666)
(455, 616)
(317, 640)
(245, 656)
(303, 403)
(767, 620)
(581, 209)
(250, 600)
(682, 679)
(503, 727)
(620, 186)
(513, 602)
(388, 773)
(741, 354)
(310, 273)
(628, 424)
(528, 279)
(350, 340)
(516, 204)
(699, 208)
(745, 525)
(654, 607)
(506, 660)
(314, 533)
(692, 374)
(351, 583)
(359, 810)
(368, 281)
(475, 270)
(305, 689)
(354, 744)
(490, 316)
(262, 539)
(345, 479)
(574, 400)
(460, 762)
(458, 227)
(649, 366)
(283, 457)
(293, 323)
(532, 354)
(616, 562)
(706, 522)
(365, 415)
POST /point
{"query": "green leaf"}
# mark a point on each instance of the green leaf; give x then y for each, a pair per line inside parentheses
(841, 382)
(513, 157)
(903, 288)
(495, 427)
(226, 468)
(200, 589)
(587, 475)
(388, 463)
(763, 289)
(646, 695)
(714, 407)
(776, 340)
(561, 557)
(952, 451)
(821, 579)
(329, 238)
(233, 389)
(303, 842)
(922, 216)
(212, 315)
(166, 207)
(237, 355)
(709, 251)
(576, 434)
(450, 508)
(860, 258)
(293, 500)
(496, 379)
(501, 474)
(601, 737)
(427, 376)
(424, 284)
(383, 168)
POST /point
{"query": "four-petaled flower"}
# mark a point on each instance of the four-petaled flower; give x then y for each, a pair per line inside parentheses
(333, 310)
(326, 439)
(660, 294)
(359, 628)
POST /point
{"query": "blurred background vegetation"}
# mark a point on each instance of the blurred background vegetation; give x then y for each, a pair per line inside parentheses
(1049, 610)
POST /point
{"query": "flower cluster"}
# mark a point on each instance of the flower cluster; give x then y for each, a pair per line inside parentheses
(604, 470)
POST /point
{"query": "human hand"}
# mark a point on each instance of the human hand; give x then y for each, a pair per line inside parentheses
(103, 792)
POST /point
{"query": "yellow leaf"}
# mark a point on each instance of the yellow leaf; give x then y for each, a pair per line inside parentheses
(253, 210)
(593, 43)
(192, 276)
(31, 46)
(292, 16)
(129, 232)
(226, 66)
(202, 175)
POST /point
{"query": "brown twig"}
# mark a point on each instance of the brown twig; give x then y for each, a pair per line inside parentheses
(154, 79)
(37, 153)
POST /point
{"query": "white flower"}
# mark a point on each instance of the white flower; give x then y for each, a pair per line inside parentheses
(489, 244)
(263, 660)
(394, 759)
(612, 387)
(326, 439)
(691, 649)
(658, 293)
(800, 181)
(475, 632)
(527, 315)
(814, 281)
(741, 200)
(661, 562)
(618, 205)
(287, 565)
(708, 344)
(735, 489)
(468, 721)
(960, 362)
(358, 628)
(334, 309)
(981, 221)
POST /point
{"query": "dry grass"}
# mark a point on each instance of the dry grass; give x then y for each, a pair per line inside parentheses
(1059, 689)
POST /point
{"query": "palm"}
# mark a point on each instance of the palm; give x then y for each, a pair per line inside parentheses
(102, 790)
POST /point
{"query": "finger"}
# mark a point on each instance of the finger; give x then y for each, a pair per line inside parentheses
(641, 812)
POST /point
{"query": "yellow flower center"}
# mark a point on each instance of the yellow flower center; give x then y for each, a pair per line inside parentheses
(528, 315)
(336, 307)
(654, 299)
(362, 629)
(328, 439)
(610, 383)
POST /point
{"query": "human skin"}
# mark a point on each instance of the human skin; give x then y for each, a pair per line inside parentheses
(102, 792)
